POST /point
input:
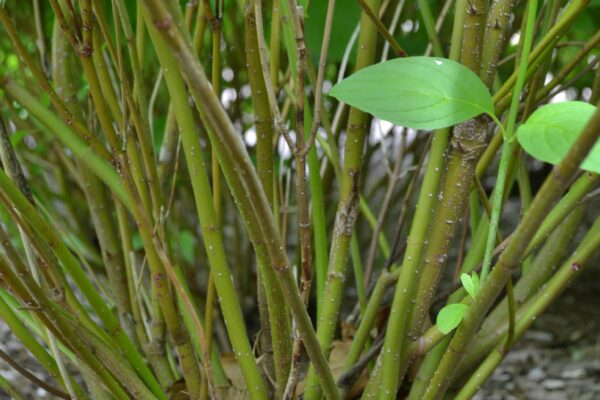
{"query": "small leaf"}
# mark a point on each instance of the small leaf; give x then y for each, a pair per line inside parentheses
(417, 92)
(468, 284)
(450, 316)
(551, 130)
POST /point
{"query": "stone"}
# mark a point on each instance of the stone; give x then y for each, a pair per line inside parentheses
(553, 384)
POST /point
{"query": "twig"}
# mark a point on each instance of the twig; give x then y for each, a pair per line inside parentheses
(31, 377)
(406, 204)
(382, 29)
(267, 76)
(303, 219)
(349, 377)
(393, 181)
(392, 28)
(321, 75)
(440, 21)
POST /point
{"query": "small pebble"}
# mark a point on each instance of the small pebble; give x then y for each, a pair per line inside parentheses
(540, 336)
(536, 374)
(574, 373)
(553, 384)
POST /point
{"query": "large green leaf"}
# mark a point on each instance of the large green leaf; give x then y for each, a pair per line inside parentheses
(551, 130)
(417, 92)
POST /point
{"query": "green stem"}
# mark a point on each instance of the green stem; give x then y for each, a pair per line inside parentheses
(347, 209)
(382, 241)
(509, 142)
(217, 29)
(206, 212)
(279, 329)
(359, 277)
(318, 219)
(10, 390)
(498, 23)
(397, 325)
(368, 316)
(429, 23)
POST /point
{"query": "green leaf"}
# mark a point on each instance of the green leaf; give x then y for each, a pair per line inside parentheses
(551, 130)
(417, 92)
(450, 316)
(470, 283)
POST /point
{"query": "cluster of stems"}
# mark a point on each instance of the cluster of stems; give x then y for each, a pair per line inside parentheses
(176, 185)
